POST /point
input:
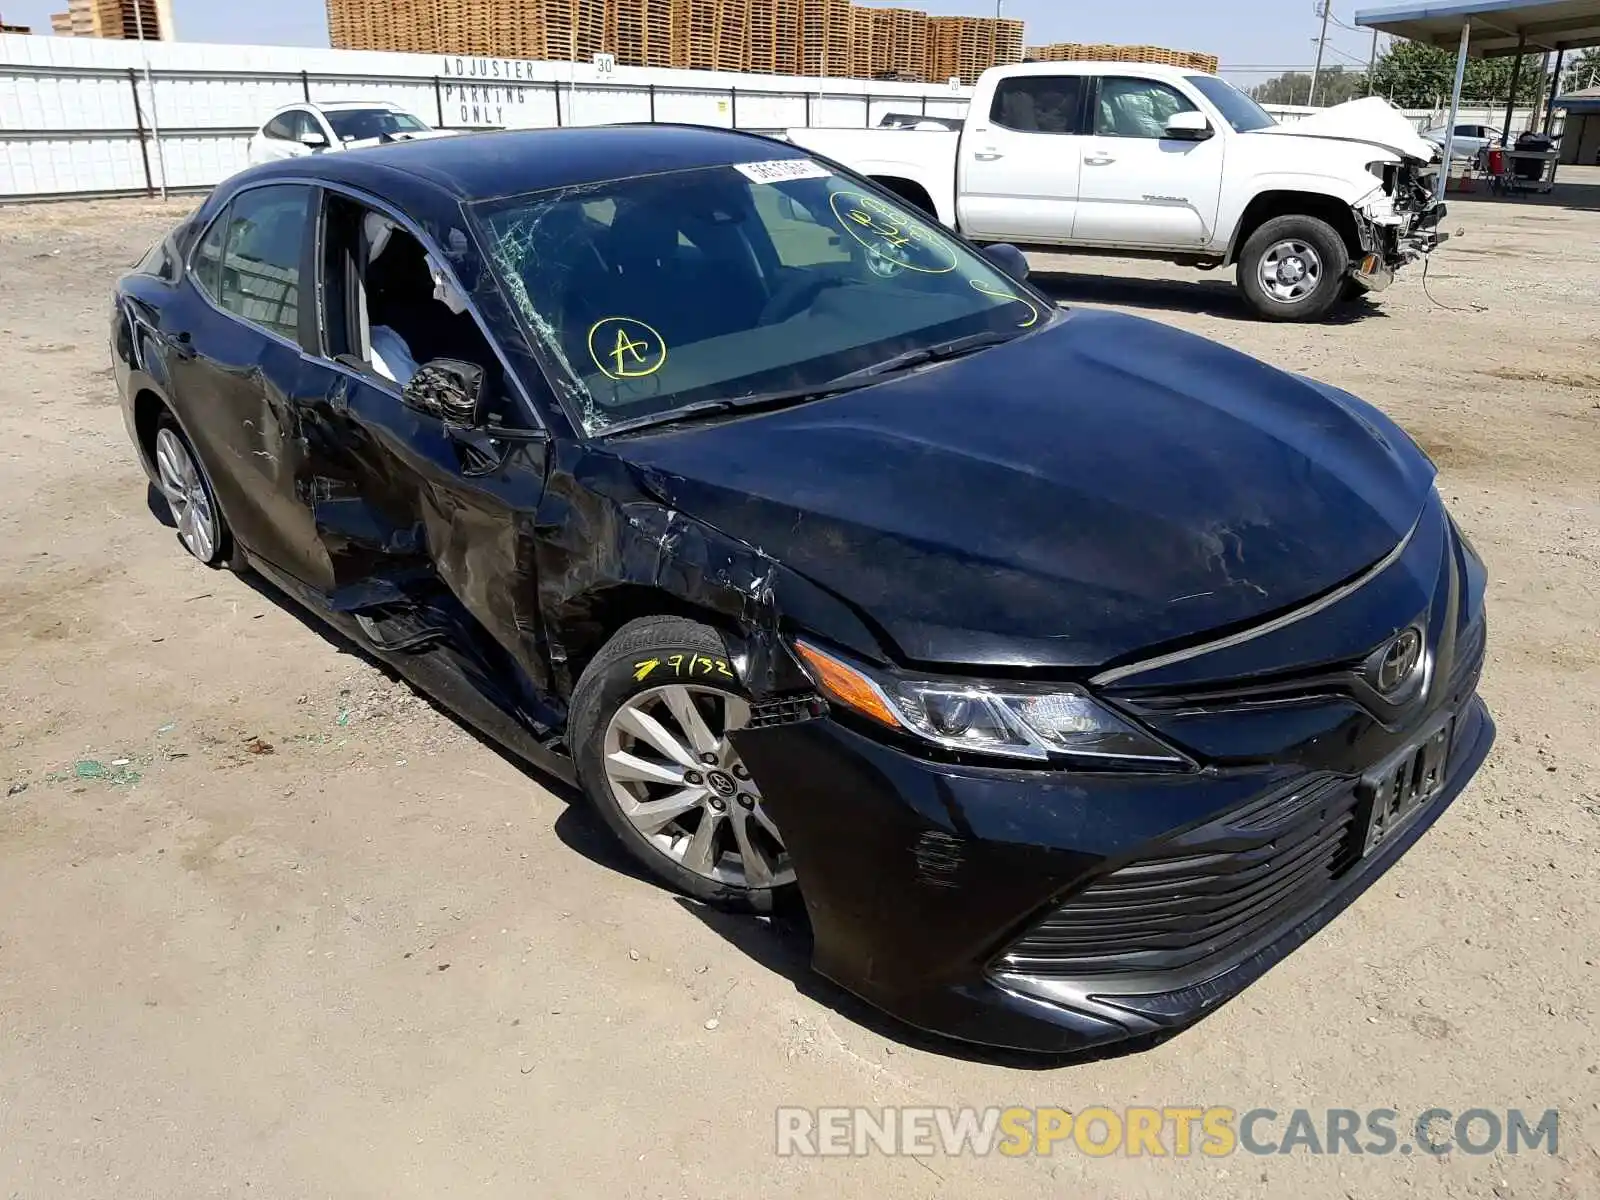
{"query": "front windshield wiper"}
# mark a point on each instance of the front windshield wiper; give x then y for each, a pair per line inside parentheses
(956, 348)
(704, 408)
(850, 382)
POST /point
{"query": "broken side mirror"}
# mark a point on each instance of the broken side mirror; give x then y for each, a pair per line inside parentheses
(448, 389)
(1009, 259)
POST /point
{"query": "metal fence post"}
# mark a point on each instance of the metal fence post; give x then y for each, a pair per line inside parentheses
(557, 89)
(138, 121)
(808, 110)
(733, 107)
(652, 104)
(305, 86)
(438, 100)
(867, 116)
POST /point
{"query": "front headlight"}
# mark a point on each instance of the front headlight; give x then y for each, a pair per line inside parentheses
(1009, 720)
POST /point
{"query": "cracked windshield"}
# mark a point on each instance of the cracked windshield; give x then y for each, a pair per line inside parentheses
(728, 284)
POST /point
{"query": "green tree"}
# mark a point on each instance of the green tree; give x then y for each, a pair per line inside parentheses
(1414, 75)
(1335, 85)
(1581, 70)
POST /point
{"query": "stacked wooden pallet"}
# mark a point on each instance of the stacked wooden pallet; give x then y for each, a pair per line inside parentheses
(694, 34)
(868, 50)
(825, 28)
(966, 47)
(906, 33)
(774, 37)
(1098, 52)
(644, 33)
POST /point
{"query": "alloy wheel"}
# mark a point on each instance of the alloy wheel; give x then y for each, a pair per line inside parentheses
(1290, 270)
(186, 494)
(679, 781)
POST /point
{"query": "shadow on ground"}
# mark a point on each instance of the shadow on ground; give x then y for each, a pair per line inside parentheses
(1216, 297)
(780, 943)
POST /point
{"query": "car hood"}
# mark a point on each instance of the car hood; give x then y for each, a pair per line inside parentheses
(1371, 119)
(1100, 488)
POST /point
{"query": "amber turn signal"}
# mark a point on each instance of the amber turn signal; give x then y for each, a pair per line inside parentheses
(846, 685)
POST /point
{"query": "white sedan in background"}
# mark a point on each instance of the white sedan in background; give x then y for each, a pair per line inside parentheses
(300, 129)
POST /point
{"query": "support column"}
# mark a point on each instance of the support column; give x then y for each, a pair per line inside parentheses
(1455, 109)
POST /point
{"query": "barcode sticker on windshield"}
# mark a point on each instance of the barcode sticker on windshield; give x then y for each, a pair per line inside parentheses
(780, 169)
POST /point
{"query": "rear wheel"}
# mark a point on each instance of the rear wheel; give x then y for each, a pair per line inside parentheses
(650, 724)
(1293, 269)
(187, 491)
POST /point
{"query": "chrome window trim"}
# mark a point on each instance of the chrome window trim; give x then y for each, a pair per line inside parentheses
(428, 244)
(1323, 602)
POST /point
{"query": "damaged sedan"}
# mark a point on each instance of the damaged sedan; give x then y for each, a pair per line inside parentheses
(1069, 669)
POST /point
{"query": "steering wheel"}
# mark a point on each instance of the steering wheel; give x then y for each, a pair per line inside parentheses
(794, 296)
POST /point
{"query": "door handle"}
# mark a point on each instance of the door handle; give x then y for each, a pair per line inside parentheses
(987, 155)
(1098, 160)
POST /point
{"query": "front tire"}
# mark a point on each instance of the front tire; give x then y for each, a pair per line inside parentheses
(649, 724)
(1293, 268)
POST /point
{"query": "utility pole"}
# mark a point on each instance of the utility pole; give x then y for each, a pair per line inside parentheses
(1322, 41)
(1372, 61)
(150, 86)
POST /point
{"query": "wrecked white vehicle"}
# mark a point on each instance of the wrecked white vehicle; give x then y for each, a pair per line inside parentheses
(1131, 159)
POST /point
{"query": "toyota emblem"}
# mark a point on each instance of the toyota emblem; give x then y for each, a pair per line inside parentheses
(1398, 662)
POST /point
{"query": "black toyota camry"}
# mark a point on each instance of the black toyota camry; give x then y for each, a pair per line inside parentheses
(1070, 669)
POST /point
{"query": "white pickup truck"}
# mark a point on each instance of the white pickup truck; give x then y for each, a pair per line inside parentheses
(1129, 159)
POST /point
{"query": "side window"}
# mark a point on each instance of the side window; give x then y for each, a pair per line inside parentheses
(281, 127)
(206, 268)
(1038, 103)
(261, 261)
(1137, 108)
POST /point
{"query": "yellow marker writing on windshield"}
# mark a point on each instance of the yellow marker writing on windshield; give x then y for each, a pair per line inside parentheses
(626, 348)
(989, 290)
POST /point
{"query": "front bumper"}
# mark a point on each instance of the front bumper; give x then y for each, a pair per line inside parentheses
(972, 902)
(1387, 246)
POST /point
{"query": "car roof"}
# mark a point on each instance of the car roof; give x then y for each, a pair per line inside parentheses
(337, 105)
(1106, 67)
(481, 166)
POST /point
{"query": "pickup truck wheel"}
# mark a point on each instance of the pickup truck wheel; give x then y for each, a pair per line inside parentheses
(1293, 269)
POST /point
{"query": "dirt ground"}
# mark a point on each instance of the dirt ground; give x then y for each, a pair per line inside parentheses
(378, 960)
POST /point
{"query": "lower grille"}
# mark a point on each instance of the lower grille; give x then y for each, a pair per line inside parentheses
(1216, 887)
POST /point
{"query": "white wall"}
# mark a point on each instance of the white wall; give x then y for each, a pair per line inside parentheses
(68, 121)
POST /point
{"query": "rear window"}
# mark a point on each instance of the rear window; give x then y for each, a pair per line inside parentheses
(1039, 103)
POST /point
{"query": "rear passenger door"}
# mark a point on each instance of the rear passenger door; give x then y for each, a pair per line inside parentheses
(1019, 168)
(238, 373)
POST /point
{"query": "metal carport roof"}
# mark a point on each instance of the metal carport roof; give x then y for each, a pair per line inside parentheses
(1489, 28)
(1498, 26)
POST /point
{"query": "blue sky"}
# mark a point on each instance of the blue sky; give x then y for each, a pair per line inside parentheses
(1242, 32)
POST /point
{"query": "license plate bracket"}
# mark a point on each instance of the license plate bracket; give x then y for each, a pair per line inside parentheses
(1400, 787)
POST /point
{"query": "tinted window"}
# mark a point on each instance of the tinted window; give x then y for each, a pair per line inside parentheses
(282, 127)
(1138, 108)
(659, 291)
(261, 264)
(354, 124)
(1038, 104)
(1237, 109)
(207, 265)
